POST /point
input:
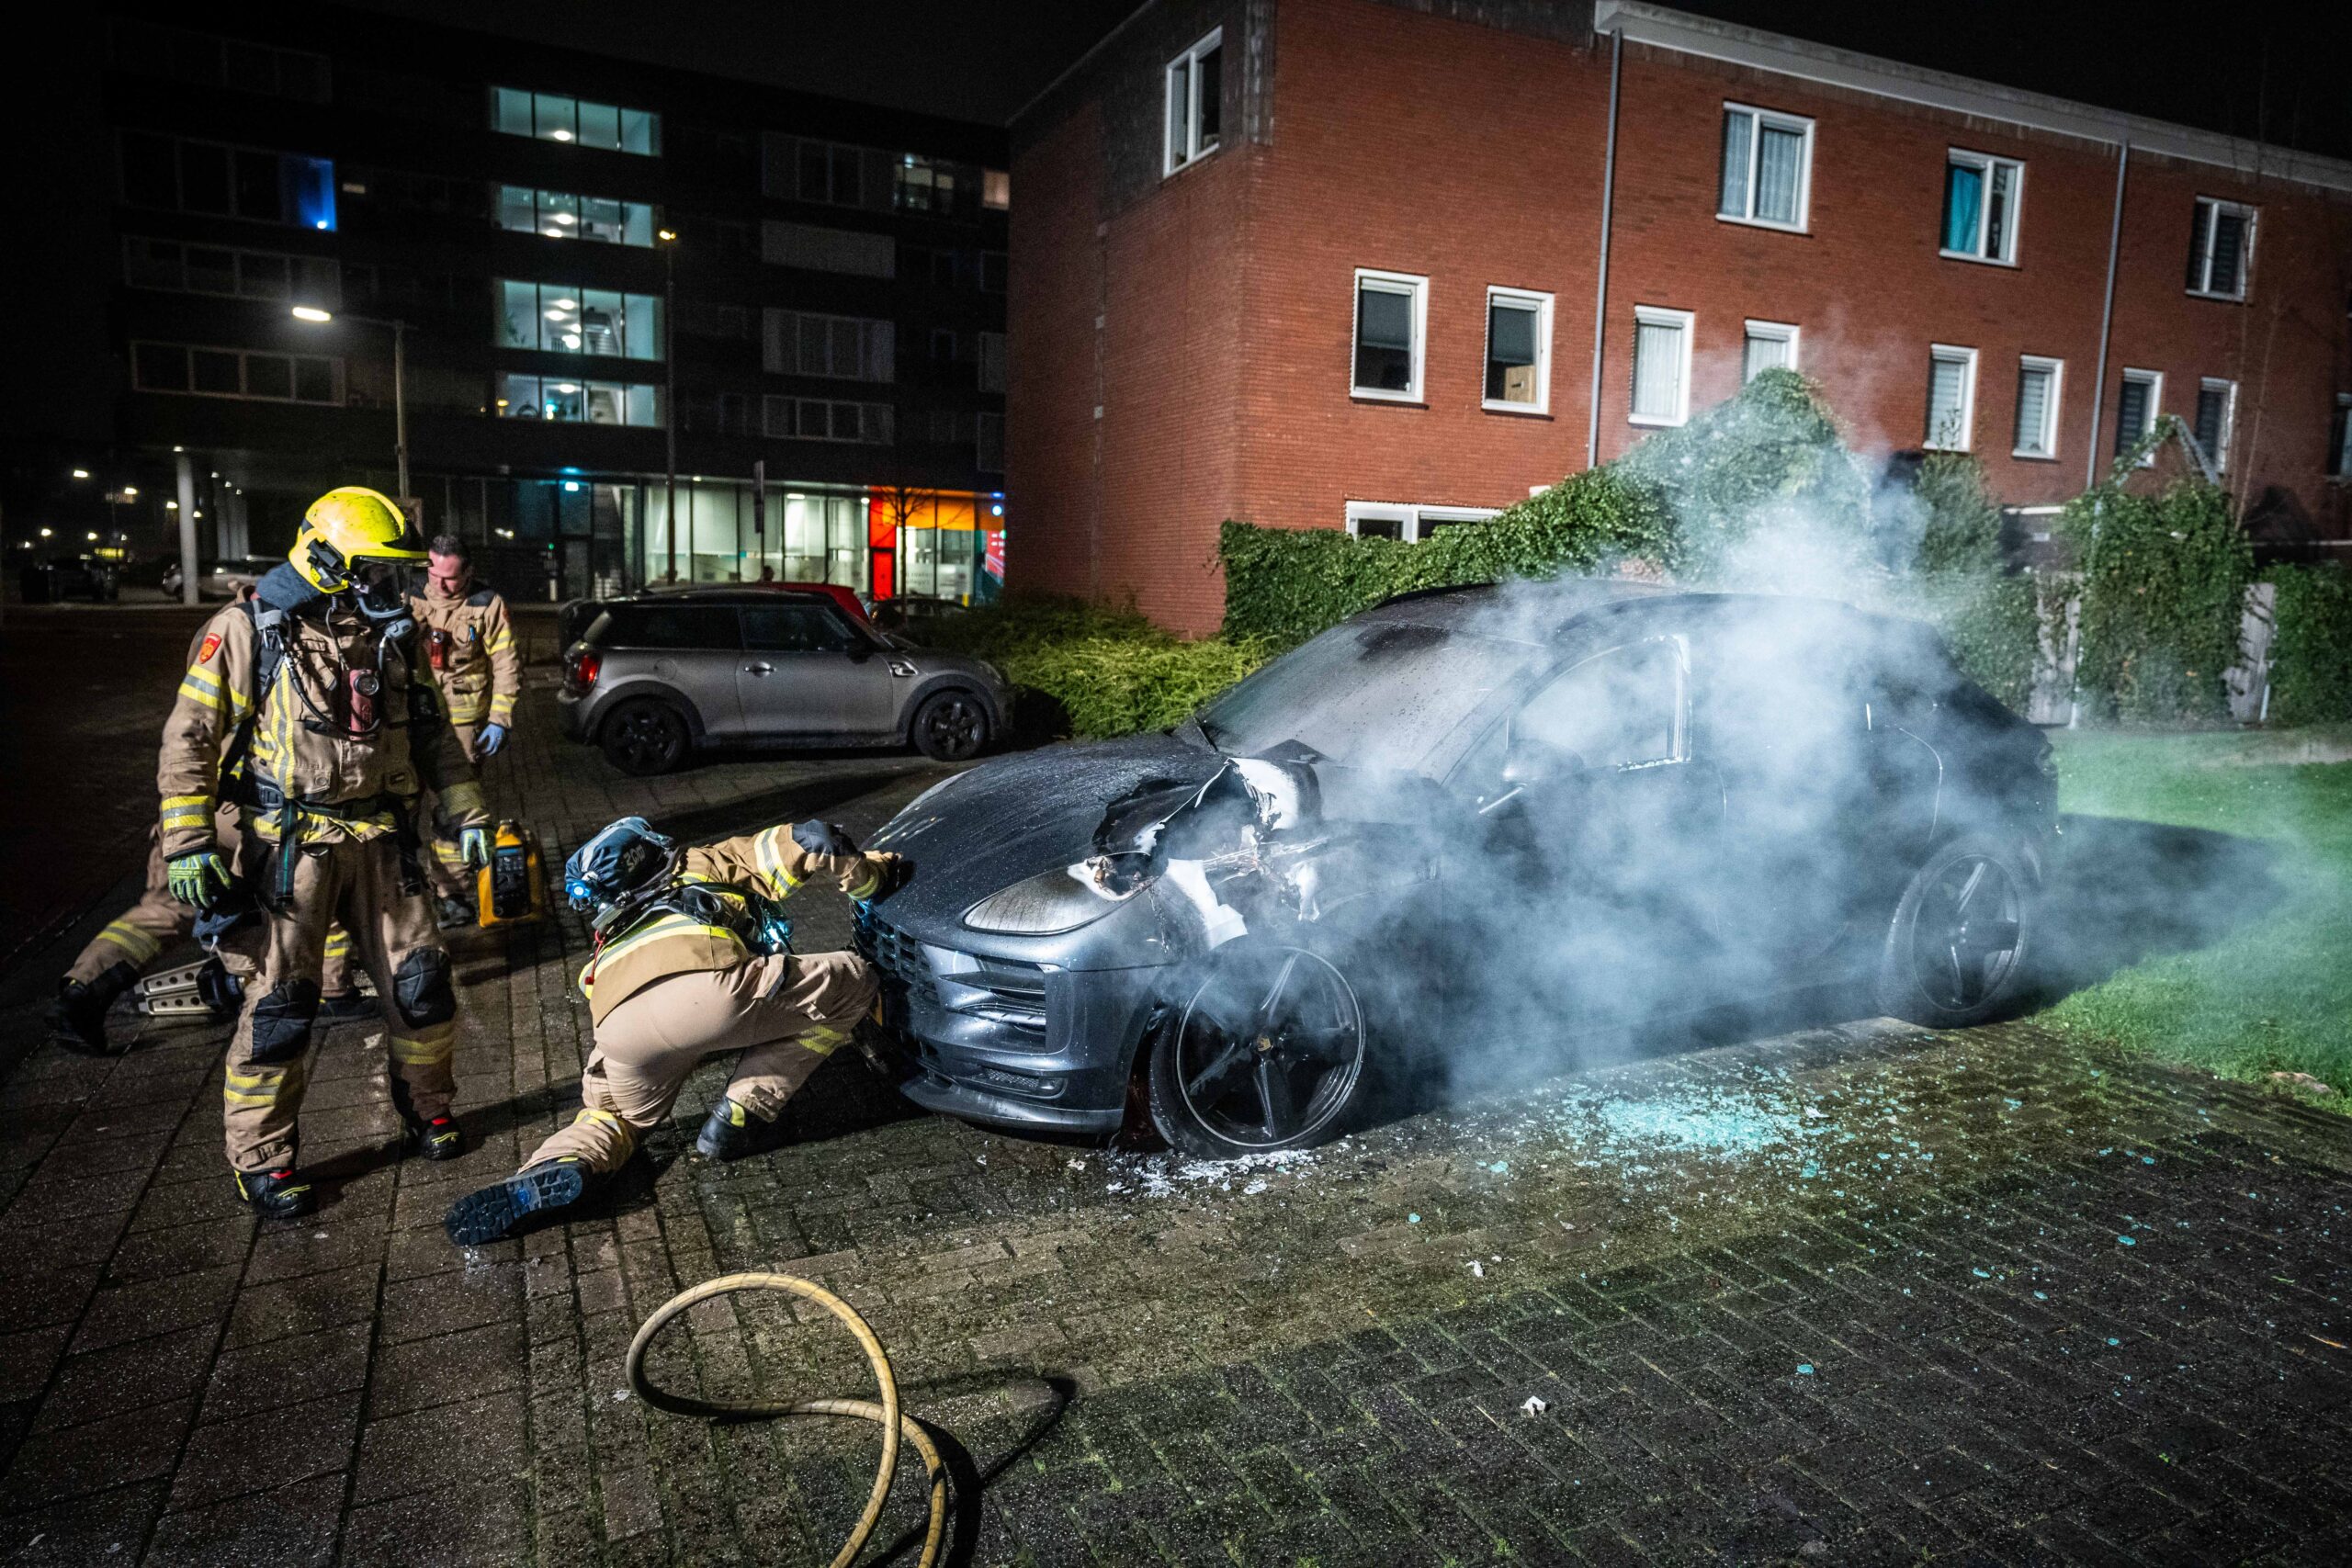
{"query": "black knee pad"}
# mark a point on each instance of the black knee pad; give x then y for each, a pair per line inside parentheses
(282, 1021)
(421, 988)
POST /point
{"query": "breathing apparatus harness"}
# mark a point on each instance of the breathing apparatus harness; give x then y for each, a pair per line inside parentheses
(626, 876)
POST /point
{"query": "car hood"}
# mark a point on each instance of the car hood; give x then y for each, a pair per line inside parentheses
(1015, 817)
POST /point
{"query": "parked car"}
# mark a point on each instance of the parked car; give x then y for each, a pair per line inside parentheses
(655, 675)
(223, 578)
(1446, 833)
(573, 618)
(70, 577)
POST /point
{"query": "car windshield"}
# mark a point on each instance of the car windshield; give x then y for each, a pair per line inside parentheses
(1378, 694)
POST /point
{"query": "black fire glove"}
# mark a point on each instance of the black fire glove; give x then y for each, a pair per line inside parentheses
(823, 838)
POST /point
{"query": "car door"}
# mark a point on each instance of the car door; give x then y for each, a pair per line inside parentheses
(805, 671)
(1621, 820)
(692, 649)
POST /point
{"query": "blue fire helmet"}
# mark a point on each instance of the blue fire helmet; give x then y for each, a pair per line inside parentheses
(623, 857)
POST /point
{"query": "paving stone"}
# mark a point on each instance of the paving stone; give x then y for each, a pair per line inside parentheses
(460, 1366)
(122, 1313)
(257, 1452)
(97, 1383)
(285, 1527)
(97, 1455)
(283, 1371)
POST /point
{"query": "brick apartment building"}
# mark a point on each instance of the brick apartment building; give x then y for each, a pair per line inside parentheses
(1337, 264)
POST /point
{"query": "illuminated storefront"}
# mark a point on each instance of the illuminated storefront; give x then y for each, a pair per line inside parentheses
(945, 544)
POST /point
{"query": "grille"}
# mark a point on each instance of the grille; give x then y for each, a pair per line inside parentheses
(1011, 994)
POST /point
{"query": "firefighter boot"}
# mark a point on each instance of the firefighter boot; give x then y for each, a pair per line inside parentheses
(78, 1017)
(730, 1131)
(437, 1139)
(494, 1211)
(275, 1194)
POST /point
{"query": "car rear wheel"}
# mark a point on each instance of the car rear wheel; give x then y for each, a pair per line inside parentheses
(950, 726)
(644, 737)
(1263, 1049)
(1957, 946)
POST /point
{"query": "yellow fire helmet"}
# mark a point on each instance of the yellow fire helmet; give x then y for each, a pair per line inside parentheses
(358, 539)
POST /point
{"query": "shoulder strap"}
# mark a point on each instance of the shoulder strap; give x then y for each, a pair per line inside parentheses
(269, 654)
(481, 597)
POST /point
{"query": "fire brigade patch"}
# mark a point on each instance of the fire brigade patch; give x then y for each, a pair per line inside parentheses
(211, 646)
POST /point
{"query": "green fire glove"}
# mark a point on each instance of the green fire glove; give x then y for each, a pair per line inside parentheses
(473, 846)
(198, 879)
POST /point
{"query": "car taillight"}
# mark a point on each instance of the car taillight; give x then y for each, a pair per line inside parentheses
(581, 670)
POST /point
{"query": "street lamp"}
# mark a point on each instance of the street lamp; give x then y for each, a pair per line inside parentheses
(669, 238)
(398, 329)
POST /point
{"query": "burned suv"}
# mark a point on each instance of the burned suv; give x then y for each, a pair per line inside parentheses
(1466, 823)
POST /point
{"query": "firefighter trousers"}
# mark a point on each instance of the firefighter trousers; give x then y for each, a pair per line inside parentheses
(785, 1014)
(158, 919)
(357, 883)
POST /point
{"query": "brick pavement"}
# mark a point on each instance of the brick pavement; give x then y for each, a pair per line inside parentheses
(1854, 1293)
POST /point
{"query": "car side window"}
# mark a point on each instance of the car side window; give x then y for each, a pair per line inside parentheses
(1619, 709)
(796, 629)
(676, 627)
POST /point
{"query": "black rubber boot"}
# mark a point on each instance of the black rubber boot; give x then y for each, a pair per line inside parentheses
(730, 1131)
(350, 1007)
(77, 1018)
(439, 1138)
(276, 1194)
(495, 1212)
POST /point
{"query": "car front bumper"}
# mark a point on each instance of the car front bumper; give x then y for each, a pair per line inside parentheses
(1016, 1046)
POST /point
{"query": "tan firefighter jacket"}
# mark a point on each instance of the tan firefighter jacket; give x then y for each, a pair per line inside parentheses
(766, 864)
(471, 644)
(344, 784)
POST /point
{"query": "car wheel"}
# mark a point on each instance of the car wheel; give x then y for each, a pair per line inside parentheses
(950, 726)
(1263, 1049)
(1958, 944)
(644, 737)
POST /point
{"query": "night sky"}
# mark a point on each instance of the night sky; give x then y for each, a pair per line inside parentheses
(2259, 65)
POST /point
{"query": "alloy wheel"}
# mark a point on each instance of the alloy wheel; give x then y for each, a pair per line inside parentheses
(1270, 1046)
(1965, 936)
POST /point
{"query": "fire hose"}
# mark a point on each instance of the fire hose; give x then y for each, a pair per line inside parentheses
(885, 1415)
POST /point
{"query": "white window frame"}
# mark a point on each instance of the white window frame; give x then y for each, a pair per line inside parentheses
(1758, 120)
(2154, 381)
(1982, 163)
(2057, 369)
(1417, 287)
(1521, 298)
(1415, 521)
(1661, 316)
(2220, 454)
(2245, 253)
(1193, 152)
(1770, 331)
(1952, 354)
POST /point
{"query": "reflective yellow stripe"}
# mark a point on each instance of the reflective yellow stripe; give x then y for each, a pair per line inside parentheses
(620, 1128)
(172, 801)
(263, 1087)
(500, 641)
(197, 676)
(461, 799)
(421, 1052)
(176, 819)
(767, 853)
(195, 693)
(873, 880)
(668, 926)
(502, 707)
(131, 940)
(824, 1039)
(338, 944)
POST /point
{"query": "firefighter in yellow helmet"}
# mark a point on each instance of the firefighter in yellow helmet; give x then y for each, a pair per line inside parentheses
(315, 701)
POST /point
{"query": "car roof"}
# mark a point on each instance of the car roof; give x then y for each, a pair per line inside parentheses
(1544, 611)
(728, 593)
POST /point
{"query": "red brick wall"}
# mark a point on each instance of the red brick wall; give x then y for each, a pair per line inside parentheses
(1473, 156)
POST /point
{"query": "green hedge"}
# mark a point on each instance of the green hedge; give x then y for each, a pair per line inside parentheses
(2311, 647)
(1101, 671)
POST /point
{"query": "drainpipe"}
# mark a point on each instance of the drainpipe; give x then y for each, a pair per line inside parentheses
(1601, 286)
(2107, 307)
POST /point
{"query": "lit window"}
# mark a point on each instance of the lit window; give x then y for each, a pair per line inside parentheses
(1772, 345)
(1661, 365)
(1952, 398)
(2221, 249)
(1408, 523)
(1518, 351)
(550, 116)
(1195, 101)
(559, 215)
(934, 185)
(2136, 407)
(1980, 200)
(569, 402)
(996, 188)
(2217, 403)
(1767, 168)
(2040, 382)
(561, 318)
(1391, 316)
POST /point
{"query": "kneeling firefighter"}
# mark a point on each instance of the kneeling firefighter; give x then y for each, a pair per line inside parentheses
(692, 957)
(315, 707)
